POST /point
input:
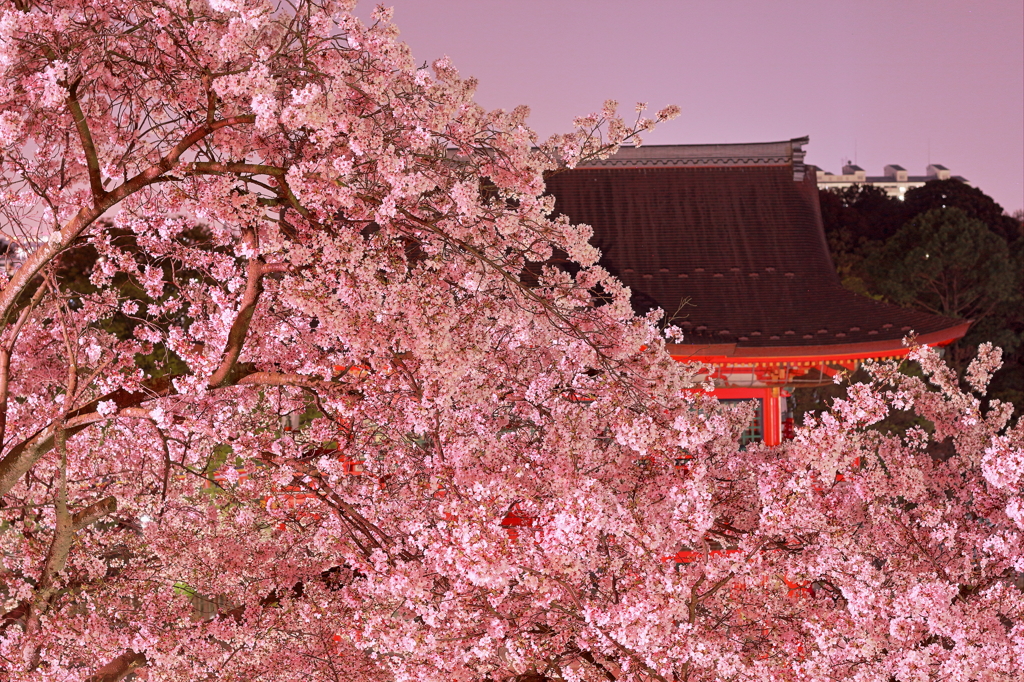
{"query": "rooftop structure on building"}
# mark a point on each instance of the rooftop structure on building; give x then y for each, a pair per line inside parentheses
(728, 241)
(896, 181)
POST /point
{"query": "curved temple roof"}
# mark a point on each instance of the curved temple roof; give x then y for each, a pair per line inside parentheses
(728, 241)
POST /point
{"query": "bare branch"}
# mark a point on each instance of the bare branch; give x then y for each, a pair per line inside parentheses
(93, 513)
(240, 327)
(85, 135)
(56, 556)
(269, 268)
(119, 668)
(279, 379)
(202, 167)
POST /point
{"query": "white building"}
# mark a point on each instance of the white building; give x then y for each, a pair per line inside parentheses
(896, 182)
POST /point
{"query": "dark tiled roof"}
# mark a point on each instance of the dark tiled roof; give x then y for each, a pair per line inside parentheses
(743, 244)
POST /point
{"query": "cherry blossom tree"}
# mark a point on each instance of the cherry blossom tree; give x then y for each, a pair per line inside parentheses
(327, 407)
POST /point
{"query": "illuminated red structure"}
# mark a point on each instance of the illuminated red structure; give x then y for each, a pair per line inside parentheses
(728, 241)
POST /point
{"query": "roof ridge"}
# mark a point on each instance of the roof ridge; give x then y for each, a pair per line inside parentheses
(779, 153)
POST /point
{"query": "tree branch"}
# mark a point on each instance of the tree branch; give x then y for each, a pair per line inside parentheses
(269, 268)
(5, 357)
(280, 379)
(87, 215)
(218, 168)
(56, 556)
(24, 455)
(240, 327)
(119, 668)
(93, 513)
(91, 157)
(20, 458)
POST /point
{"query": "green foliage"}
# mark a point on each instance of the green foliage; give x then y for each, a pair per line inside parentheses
(947, 249)
(947, 263)
(861, 213)
(855, 219)
(183, 589)
(971, 200)
(218, 457)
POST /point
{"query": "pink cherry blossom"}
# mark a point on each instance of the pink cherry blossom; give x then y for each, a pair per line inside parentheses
(319, 413)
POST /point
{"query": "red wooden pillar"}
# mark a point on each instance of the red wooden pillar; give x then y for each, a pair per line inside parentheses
(772, 416)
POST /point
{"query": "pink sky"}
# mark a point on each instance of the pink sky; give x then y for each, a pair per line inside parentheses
(879, 81)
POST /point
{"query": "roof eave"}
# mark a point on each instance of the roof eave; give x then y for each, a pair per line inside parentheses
(729, 353)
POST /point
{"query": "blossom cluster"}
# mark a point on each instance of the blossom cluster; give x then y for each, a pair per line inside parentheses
(306, 381)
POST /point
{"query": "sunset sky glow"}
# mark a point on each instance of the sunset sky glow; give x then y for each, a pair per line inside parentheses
(877, 82)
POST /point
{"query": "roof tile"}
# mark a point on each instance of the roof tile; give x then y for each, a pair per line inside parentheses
(669, 232)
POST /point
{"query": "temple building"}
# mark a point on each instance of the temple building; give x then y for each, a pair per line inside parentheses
(728, 241)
